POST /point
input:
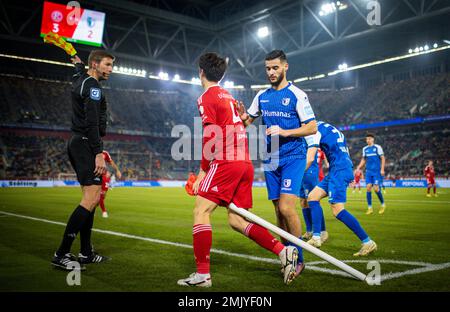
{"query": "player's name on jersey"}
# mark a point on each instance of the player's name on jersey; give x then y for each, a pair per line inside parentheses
(222, 95)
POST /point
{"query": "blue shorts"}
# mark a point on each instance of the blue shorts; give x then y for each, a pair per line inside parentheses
(310, 181)
(335, 184)
(286, 178)
(374, 178)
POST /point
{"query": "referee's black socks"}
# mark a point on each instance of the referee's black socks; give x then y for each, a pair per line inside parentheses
(76, 221)
(85, 235)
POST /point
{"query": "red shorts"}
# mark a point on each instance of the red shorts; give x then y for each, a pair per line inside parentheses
(229, 182)
(357, 181)
(431, 181)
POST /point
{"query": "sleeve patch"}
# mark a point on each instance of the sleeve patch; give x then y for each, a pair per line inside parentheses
(308, 109)
(95, 94)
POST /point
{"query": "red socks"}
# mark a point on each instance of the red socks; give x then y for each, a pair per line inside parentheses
(262, 237)
(102, 203)
(202, 235)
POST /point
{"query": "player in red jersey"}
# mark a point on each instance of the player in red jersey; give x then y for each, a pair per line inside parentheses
(106, 179)
(226, 176)
(358, 175)
(321, 160)
(429, 174)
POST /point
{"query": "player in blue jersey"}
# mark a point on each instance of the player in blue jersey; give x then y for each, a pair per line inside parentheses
(373, 158)
(314, 219)
(332, 143)
(286, 112)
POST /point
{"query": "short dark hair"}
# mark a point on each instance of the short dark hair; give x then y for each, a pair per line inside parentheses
(213, 66)
(97, 56)
(370, 135)
(276, 54)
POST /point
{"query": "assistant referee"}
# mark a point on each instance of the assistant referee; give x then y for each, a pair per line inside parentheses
(85, 153)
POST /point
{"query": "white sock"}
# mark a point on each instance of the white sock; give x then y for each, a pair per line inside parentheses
(207, 275)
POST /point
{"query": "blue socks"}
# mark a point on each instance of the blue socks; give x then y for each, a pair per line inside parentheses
(317, 216)
(308, 219)
(300, 250)
(380, 196)
(350, 221)
(323, 222)
(369, 199)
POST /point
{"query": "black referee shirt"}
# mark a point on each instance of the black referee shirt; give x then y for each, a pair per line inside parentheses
(89, 108)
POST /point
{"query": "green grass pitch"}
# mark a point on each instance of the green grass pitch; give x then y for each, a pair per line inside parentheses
(413, 238)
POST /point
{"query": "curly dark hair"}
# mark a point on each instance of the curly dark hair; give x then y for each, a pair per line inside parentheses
(213, 66)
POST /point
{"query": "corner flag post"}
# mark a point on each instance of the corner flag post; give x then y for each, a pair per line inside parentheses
(319, 253)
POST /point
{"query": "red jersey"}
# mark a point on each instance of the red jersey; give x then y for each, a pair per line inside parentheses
(107, 157)
(224, 136)
(429, 173)
(358, 175)
(320, 159)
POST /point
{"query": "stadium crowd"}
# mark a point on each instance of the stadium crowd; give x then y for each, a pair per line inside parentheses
(422, 96)
(156, 112)
(25, 102)
(407, 150)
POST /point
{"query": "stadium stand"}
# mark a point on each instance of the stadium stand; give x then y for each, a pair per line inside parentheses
(158, 111)
(151, 114)
(421, 96)
(407, 150)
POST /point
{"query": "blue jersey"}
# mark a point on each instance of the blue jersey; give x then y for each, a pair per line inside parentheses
(287, 108)
(313, 141)
(332, 142)
(373, 154)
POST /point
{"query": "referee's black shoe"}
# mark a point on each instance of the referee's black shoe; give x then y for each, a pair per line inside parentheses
(67, 262)
(92, 258)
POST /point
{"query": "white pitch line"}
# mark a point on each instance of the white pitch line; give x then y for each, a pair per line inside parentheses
(430, 268)
(426, 267)
(417, 263)
(403, 201)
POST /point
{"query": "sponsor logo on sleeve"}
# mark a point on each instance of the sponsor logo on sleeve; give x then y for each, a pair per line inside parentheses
(95, 94)
(308, 109)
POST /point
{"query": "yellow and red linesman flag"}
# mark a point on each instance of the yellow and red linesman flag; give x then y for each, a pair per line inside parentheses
(59, 41)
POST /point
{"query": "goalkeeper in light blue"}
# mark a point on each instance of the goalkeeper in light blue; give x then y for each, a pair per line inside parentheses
(332, 142)
(373, 158)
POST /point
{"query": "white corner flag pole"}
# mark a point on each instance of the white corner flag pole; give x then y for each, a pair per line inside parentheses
(295, 240)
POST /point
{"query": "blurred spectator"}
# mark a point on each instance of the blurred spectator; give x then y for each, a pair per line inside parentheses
(155, 112)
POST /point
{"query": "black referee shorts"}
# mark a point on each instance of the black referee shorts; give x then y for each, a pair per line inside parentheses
(82, 160)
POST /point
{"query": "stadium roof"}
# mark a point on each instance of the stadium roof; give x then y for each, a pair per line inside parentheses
(171, 35)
